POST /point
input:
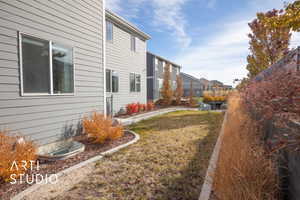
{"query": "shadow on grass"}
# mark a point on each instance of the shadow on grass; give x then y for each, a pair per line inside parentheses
(188, 185)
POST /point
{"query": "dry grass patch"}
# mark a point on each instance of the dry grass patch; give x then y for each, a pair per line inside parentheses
(169, 162)
(244, 171)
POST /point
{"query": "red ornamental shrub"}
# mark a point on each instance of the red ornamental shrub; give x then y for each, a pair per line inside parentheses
(138, 107)
(142, 107)
(277, 94)
(135, 108)
(129, 109)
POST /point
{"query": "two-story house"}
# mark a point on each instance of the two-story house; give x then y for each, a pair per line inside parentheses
(155, 75)
(125, 63)
(51, 66)
(198, 86)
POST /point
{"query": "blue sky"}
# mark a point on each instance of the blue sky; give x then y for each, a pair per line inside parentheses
(207, 37)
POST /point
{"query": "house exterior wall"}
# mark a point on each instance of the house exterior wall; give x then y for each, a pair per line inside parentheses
(155, 75)
(77, 24)
(122, 60)
(197, 85)
(150, 76)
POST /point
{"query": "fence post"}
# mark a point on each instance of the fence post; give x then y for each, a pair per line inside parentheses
(298, 58)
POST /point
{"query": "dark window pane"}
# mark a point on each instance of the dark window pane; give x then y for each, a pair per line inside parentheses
(138, 83)
(133, 43)
(132, 82)
(115, 82)
(36, 70)
(63, 75)
(108, 80)
(109, 31)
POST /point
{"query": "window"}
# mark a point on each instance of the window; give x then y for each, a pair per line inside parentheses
(138, 83)
(160, 83)
(62, 60)
(47, 68)
(109, 31)
(135, 82)
(133, 43)
(112, 81)
(132, 82)
(35, 64)
(115, 82)
(159, 64)
(108, 80)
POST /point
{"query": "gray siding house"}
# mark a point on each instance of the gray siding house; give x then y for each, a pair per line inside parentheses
(125, 64)
(155, 75)
(198, 86)
(51, 66)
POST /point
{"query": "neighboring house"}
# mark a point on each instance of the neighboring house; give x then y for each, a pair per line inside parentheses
(227, 87)
(125, 63)
(155, 75)
(206, 84)
(51, 66)
(198, 87)
(216, 83)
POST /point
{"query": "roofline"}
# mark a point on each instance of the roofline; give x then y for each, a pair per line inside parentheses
(162, 58)
(121, 21)
(190, 76)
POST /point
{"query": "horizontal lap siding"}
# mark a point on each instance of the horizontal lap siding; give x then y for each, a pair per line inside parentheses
(121, 59)
(75, 23)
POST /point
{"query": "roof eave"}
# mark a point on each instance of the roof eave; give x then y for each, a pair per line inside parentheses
(121, 21)
(162, 58)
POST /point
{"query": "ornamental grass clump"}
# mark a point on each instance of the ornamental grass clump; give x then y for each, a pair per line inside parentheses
(244, 170)
(14, 150)
(99, 128)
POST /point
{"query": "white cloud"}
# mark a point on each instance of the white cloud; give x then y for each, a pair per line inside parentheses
(222, 54)
(167, 15)
(221, 57)
(114, 5)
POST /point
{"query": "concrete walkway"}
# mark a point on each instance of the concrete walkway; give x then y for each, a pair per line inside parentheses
(140, 117)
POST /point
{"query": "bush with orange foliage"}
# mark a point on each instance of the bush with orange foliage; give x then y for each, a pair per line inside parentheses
(150, 106)
(14, 149)
(208, 98)
(100, 128)
(244, 169)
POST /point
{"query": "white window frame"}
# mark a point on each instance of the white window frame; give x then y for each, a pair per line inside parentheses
(135, 88)
(111, 81)
(112, 31)
(23, 94)
(133, 48)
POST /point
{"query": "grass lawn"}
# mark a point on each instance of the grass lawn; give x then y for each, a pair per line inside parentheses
(169, 162)
(199, 99)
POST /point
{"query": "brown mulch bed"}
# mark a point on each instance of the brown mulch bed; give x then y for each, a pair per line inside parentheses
(8, 190)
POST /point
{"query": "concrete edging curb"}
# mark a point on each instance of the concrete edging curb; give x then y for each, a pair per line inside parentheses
(35, 187)
(208, 182)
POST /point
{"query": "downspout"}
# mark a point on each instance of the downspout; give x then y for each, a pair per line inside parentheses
(104, 55)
